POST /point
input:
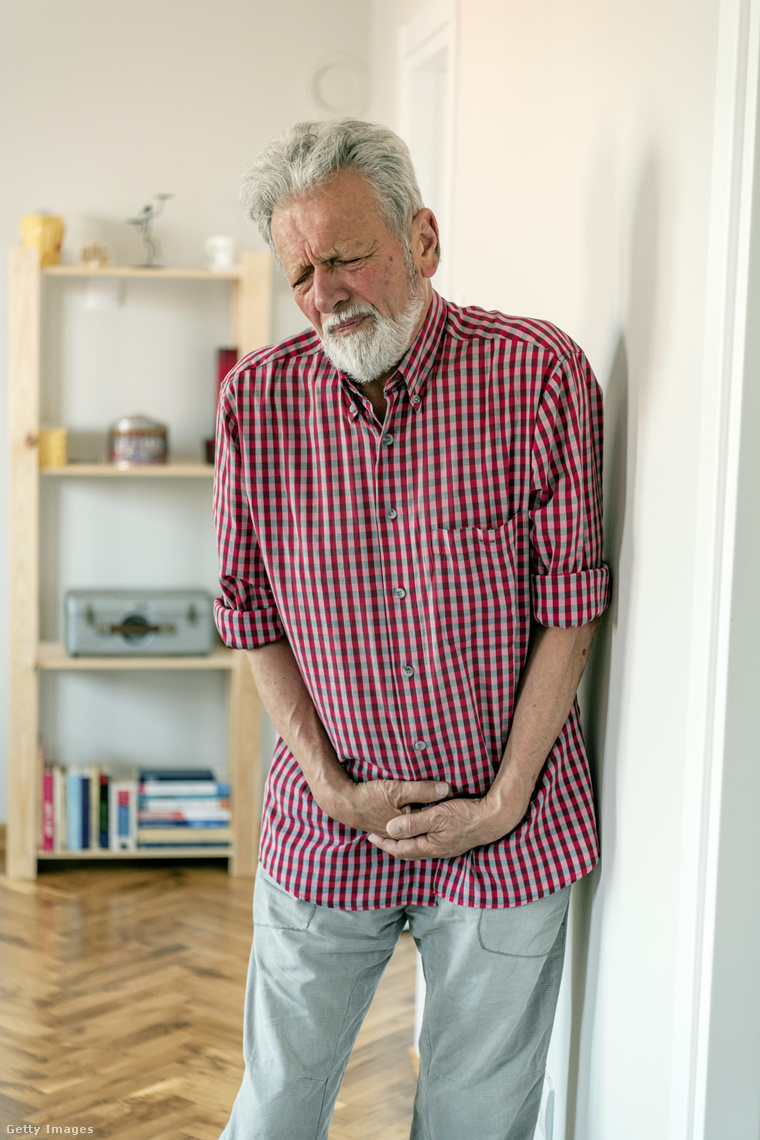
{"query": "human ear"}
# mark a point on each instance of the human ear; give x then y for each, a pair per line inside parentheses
(426, 248)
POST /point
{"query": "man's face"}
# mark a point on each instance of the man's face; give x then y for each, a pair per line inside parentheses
(364, 293)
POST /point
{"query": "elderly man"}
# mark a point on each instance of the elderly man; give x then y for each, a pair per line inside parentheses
(408, 512)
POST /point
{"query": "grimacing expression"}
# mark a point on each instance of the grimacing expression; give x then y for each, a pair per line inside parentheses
(363, 292)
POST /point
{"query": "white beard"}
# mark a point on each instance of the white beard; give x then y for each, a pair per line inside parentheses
(369, 352)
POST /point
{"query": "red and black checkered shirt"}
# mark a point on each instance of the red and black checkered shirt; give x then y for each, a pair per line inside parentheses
(404, 564)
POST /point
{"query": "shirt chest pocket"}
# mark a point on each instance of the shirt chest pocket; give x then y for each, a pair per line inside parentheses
(475, 573)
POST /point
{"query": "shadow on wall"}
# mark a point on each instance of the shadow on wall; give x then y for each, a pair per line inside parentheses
(595, 701)
(603, 692)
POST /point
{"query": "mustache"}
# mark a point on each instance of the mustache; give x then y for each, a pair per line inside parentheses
(331, 323)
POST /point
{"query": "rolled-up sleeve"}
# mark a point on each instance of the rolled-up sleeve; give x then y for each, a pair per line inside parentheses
(569, 582)
(245, 613)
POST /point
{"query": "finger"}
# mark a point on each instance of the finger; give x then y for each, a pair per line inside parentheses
(418, 848)
(420, 791)
(406, 826)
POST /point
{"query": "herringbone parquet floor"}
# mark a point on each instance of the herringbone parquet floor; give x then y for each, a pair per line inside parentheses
(121, 998)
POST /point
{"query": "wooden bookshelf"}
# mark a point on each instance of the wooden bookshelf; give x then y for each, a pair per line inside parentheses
(251, 307)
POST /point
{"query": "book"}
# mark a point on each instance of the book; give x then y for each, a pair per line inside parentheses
(204, 788)
(93, 775)
(122, 815)
(219, 846)
(47, 838)
(197, 804)
(187, 824)
(59, 808)
(183, 810)
(103, 782)
(84, 784)
(192, 775)
(183, 836)
(73, 809)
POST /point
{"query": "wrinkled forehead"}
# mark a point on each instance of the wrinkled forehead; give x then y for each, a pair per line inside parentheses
(343, 214)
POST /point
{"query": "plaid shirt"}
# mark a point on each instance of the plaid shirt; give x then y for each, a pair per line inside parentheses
(404, 565)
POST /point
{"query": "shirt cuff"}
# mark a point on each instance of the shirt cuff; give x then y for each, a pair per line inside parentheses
(247, 629)
(570, 599)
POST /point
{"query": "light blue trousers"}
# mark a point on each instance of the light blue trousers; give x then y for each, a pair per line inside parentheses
(492, 979)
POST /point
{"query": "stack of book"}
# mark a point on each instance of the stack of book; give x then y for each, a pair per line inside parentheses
(89, 809)
(179, 807)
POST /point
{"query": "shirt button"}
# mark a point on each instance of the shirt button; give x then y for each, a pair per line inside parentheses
(416, 399)
(391, 513)
(408, 671)
(399, 592)
(420, 746)
(387, 439)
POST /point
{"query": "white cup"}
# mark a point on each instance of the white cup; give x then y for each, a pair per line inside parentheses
(220, 252)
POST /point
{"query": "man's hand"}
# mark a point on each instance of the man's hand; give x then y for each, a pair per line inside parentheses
(370, 806)
(451, 828)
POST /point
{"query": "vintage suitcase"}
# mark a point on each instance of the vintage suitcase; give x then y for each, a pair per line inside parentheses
(138, 623)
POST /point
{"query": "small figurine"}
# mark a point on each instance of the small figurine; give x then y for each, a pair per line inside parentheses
(144, 221)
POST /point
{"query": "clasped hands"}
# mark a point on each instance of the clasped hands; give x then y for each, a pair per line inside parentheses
(418, 820)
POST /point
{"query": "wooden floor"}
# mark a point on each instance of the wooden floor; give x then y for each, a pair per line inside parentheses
(121, 999)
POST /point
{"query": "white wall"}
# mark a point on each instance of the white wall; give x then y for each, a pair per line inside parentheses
(105, 104)
(583, 164)
(583, 161)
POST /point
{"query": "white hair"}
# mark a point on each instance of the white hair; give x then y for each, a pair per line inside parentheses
(307, 155)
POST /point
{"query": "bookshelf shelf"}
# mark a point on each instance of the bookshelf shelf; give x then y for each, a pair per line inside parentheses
(141, 853)
(156, 274)
(176, 470)
(52, 655)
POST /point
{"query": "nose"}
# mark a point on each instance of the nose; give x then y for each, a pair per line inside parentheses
(329, 291)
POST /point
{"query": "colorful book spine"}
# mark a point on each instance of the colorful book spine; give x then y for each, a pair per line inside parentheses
(183, 810)
(183, 824)
(73, 809)
(93, 775)
(184, 788)
(103, 810)
(84, 783)
(165, 775)
(59, 808)
(47, 838)
(123, 815)
(183, 837)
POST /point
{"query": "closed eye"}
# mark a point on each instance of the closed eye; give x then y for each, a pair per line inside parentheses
(330, 263)
(303, 278)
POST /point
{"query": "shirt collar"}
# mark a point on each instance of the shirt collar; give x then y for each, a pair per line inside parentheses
(414, 367)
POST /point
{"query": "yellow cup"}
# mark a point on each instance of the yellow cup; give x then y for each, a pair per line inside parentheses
(52, 447)
(45, 232)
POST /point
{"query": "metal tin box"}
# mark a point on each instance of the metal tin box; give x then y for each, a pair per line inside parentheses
(135, 441)
(138, 623)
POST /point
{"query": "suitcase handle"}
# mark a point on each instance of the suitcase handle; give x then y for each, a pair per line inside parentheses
(133, 628)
